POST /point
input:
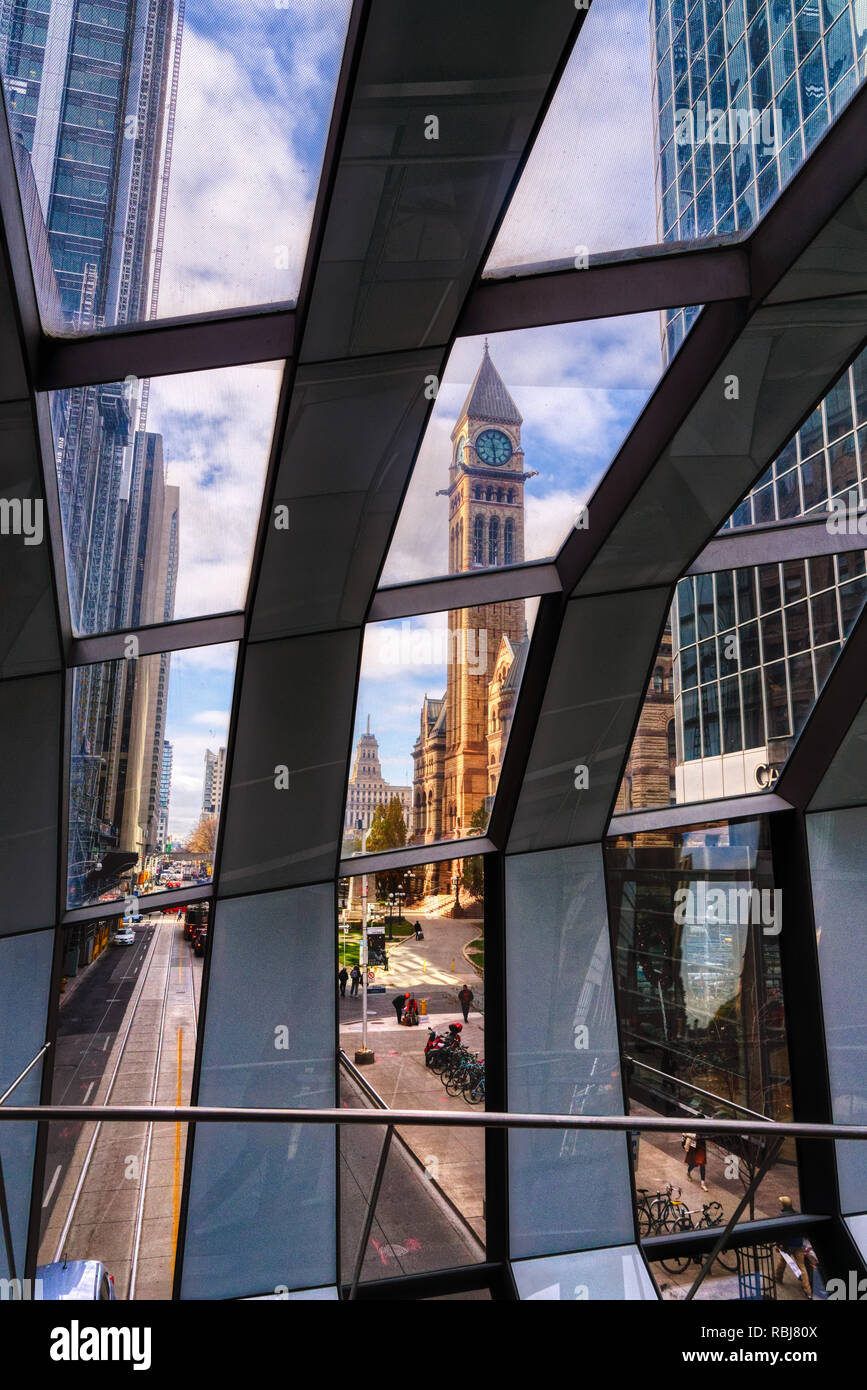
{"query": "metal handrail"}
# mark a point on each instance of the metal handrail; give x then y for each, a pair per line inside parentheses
(30, 1065)
(461, 1119)
(698, 1090)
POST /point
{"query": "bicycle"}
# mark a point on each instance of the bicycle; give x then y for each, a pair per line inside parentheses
(646, 1223)
(680, 1218)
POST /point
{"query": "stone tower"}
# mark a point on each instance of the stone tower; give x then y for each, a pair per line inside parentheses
(486, 530)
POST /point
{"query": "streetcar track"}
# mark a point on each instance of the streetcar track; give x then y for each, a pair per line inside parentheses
(82, 1177)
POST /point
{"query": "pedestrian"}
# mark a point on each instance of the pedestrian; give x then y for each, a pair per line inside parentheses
(465, 999)
(695, 1156)
(793, 1252)
(419, 934)
(398, 1003)
(355, 977)
(343, 977)
(410, 1016)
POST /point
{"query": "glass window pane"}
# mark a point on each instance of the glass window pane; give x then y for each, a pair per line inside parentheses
(147, 768)
(688, 906)
(143, 219)
(524, 426)
(564, 1056)
(614, 1275)
(160, 493)
(836, 840)
(269, 956)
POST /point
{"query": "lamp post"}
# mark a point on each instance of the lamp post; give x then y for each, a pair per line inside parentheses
(363, 1056)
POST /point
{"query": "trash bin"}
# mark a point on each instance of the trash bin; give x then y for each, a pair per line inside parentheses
(422, 1006)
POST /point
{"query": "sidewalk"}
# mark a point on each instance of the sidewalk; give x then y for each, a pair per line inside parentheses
(455, 1157)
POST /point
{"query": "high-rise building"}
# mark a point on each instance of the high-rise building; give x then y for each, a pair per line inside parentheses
(88, 90)
(212, 787)
(165, 795)
(741, 98)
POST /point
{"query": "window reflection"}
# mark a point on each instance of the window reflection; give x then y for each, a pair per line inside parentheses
(696, 921)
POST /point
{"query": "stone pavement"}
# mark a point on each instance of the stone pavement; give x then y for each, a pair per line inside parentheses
(455, 1157)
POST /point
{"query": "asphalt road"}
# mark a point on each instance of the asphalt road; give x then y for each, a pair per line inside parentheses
(88, 1025)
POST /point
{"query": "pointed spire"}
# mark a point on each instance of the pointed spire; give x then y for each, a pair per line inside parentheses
(488, 398)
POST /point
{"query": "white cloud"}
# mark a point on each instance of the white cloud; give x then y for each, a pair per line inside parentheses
(216, 428)
(589, 180)
(253, 107)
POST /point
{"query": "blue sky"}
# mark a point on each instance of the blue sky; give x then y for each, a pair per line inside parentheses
(580, 388)
(197, 717)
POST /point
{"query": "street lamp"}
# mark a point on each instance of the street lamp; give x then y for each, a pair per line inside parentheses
(363, 1056)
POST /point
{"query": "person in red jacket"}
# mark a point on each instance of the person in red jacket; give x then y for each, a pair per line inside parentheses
(465, 999)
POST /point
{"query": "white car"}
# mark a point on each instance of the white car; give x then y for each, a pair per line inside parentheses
(125, 936)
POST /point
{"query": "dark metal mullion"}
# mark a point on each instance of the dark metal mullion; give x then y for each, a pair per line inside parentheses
(528, 707)
(802, 998)
(64, 739)
(642, 697)
(803, 538)
(464, 590)
(623, 1050)
(635, 282)
(496, 1057)
(167, 347)
(837, 705)
(177, 636)
(697, 813)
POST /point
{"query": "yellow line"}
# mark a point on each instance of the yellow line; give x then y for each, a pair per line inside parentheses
(176, 1184)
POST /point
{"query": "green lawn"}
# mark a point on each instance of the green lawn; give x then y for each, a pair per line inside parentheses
(349, 953)
(476, 952)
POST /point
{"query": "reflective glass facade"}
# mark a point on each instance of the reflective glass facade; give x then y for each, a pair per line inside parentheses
(398, 900)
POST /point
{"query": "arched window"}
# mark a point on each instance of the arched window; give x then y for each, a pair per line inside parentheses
(657, 678)
(478, 494)
(478, 541)
(499, 494)
(509, 542)
(489, 495)
(510, 495)
(493, 541)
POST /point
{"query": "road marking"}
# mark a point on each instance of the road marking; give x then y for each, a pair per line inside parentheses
(57, 1173)
(87, 1093)
(107, 1040)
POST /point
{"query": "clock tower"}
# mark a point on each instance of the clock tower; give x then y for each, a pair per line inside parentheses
(486, 531)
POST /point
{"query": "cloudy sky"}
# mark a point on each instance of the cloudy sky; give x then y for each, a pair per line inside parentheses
(255, 101)
(255, 96)
(200, 699)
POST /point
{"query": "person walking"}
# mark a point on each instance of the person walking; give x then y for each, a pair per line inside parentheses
(793, 1254)
(695, 1156)
(398, 1003)
(355, 977)
(465, 999)
(343, 977)
(419, 934)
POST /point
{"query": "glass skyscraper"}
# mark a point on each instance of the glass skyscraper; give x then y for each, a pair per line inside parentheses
(742, 94)
(88, 89)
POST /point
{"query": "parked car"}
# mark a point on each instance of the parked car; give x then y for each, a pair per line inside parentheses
(83, 1280)
(124, 936)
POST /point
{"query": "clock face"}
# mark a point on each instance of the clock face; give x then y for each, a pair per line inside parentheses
(494, 447)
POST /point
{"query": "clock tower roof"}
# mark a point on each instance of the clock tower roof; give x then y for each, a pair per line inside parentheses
(488, 398)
